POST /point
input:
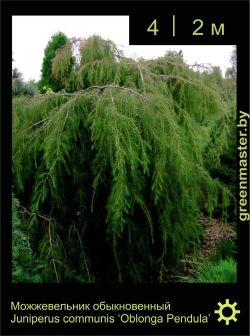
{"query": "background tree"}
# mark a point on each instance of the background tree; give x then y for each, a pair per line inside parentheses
(232, 71)
(30, 88)
(20, 87)
(57, 41)
(17, 82)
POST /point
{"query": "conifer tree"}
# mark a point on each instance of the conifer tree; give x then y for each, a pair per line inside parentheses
(113, 174)
(57, 41)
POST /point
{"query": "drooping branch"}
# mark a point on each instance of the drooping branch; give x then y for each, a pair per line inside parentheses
(94, 87)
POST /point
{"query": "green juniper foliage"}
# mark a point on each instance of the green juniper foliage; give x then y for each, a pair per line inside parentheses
(25, 268)
(221, 161)
(117, 167)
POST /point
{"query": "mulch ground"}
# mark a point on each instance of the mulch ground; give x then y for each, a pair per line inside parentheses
(215, 232)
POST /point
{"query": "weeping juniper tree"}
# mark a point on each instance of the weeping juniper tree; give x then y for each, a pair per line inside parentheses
(112, 175)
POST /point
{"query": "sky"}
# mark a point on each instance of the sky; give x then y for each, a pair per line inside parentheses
(30, 36)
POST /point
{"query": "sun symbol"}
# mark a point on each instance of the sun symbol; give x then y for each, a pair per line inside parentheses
(227, 319)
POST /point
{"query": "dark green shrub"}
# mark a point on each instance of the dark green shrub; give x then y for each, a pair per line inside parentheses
(225, 250)
(25, 268)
